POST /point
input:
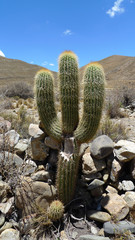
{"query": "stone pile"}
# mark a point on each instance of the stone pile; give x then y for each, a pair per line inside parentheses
(27, 180)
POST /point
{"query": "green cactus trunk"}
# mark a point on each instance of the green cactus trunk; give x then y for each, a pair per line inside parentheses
(67, 172)
(45, 104)
(94, 80)
(68, 76)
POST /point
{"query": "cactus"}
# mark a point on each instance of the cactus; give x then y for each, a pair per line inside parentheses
(70, 131)
(56, 210)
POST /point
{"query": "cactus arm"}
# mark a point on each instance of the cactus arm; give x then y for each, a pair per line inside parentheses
(45, 104)
(94, 81)
(68, 76)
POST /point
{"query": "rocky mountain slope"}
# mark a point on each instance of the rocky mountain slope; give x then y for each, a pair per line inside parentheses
(119, 70)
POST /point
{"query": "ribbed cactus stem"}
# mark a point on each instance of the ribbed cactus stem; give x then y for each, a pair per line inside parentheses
(68, 76)
(45, 104)
(56, 210)
(94, 82)
(67, 172)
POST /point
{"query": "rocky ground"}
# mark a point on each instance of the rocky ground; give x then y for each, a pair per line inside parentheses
(104, 204)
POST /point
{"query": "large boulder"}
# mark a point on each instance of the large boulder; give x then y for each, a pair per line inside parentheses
(101, 147)
(115, 205)
(124, 150)
(91, 165)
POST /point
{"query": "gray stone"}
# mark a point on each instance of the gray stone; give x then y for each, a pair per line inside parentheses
(11, 234)
(4, 190)
(34, 130)
(115, 205)
(5, 125)
(52, 143)
(39, 149)
(105, 175)
(127, 185)
(120, 227)
(32, 194)
(91, 165)
(95, 183)
(6, 225)
(6, 207)
(124, 150)
(40, 176)
(91, 176)
(111, 189)
(97, 192)
(129, 197)
(29, 168)
(21, 146)
(91, 237)
(11, 138)
(101, 147)
(8, 159)
(99, 216)
(115, 170)
(2, 219)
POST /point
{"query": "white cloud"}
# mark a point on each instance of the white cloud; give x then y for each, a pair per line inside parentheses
(51, 64)
(44, 63)
(116, 9)
(67, 32)
(31, 62)
(2, 54)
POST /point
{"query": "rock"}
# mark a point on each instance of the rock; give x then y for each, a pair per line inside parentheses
(2, 219)
(95, 183)
(91, 165)
(4, 190)
(91, 176)
(111, 189)
(53, 157)
(97, 192)
(63, 235)
(34, 130)
(133, 168)
(115, 205)
(127, 185)
(105, 175)
(101, 147)
(11, 138)
(129, 197)
(40, 176)
(32, 194)
(8, 159)
(39, 149)
(6, 225)
(52, 143)
(119, 228)
(124, 150)
(98, 216)
(7, 207)
(115, 170)
(91, 237)
(21, 146)
(11, 234)
(4, 125)
(29, 168)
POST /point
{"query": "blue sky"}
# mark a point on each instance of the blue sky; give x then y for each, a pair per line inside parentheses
(37, 31)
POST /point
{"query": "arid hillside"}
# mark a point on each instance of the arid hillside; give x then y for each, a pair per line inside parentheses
(119, 70)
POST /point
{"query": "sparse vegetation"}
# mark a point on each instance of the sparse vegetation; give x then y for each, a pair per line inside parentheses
(18, 89)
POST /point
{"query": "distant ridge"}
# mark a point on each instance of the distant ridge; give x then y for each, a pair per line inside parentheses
(119, 70)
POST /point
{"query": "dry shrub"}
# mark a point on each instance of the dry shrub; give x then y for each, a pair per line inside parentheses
(127, 95)
(115, 131)
(20, 122)
(19, 89)
(5, 104)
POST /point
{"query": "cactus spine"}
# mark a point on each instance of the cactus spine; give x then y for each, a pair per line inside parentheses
(56, 210)
(71, 132)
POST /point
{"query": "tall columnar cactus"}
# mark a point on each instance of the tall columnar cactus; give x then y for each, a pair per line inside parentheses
(70, 131)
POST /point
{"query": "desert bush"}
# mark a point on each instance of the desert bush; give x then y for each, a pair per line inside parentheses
(20, 122)
(115, 130)
(127, 95)
(18, 89)
(5, 104)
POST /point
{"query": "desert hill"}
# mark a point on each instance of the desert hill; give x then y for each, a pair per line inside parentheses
(119, 70)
